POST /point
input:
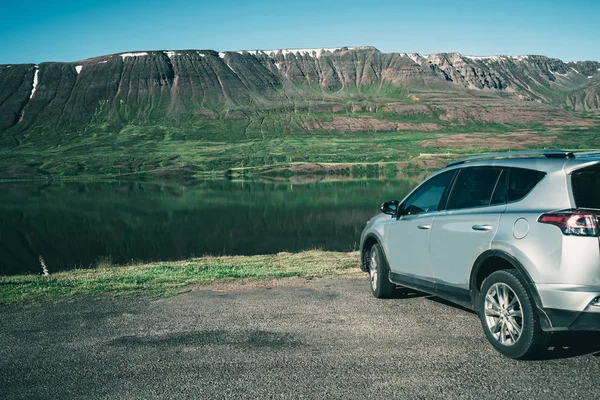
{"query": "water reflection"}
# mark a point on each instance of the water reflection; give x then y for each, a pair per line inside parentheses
(76, 225)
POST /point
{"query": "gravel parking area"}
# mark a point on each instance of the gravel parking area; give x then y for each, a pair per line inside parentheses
(295, 338)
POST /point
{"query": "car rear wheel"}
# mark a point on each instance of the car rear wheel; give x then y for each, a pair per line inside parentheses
(379, 272)
(508, 316)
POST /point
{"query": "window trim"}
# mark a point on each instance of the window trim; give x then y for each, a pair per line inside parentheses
(442, 205)
(505, 171)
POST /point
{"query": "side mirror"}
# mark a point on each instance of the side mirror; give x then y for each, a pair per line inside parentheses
(390, 207)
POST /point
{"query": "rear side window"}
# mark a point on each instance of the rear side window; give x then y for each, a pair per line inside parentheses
(521, 181)
(585, 183)
(474, 187)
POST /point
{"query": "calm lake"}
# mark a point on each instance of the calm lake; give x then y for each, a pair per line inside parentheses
(76, 225)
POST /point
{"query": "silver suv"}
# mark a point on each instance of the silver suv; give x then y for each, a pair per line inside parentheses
(511, 236)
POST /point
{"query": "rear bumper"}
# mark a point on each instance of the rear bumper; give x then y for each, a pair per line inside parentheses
(565, 320)
(570, 307)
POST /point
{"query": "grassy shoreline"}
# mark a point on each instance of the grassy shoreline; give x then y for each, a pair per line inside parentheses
(168, 278)
(355, 170)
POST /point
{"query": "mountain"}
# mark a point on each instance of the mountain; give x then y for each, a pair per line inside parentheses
(344, 89)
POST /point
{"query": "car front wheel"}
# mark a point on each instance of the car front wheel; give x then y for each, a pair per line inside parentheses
(379, 272)
(508, 316)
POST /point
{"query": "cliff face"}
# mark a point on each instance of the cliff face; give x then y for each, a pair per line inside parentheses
(133, 87)
(169, 86)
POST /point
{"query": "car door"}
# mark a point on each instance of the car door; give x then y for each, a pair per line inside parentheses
(406, 236)
(465, 228)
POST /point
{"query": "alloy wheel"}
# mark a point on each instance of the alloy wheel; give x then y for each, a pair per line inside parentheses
(503, 314)
(373, 267)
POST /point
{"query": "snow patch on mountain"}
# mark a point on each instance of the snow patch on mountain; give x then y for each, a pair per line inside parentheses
(497, 58)
(557, 73)
(416, 57)
(78, 69)
(33, 89)
(305, 52)
(125, 55)
(35, 81)
(483, 58)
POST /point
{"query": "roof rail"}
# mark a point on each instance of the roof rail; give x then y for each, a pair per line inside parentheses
(518, 154)
(586, 154)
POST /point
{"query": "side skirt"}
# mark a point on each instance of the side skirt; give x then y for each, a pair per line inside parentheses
(419, 284)
(462, 297)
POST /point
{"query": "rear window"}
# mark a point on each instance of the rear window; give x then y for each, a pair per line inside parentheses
(585, 184)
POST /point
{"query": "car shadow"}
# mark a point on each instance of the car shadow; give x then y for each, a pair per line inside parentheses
(402, 292)
(450, 304)
(571, 344)
(562, 344)
(405, 293)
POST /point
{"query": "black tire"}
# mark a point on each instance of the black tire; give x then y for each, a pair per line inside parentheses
(379, 274)
(508, 310)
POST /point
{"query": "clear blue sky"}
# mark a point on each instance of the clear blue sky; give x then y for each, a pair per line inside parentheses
(33, 31)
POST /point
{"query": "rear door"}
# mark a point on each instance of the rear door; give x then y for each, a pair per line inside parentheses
(466, 227)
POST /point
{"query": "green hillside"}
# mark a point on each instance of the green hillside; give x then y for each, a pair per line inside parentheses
(156, 115)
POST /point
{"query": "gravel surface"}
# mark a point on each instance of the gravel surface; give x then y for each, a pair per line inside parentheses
(323, 338)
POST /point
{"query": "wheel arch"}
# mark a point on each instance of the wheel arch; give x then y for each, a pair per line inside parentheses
(495, 260)
(370, 240)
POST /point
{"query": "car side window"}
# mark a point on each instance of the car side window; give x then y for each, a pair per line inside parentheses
(428, 197)
(521, 181)
(474, 187)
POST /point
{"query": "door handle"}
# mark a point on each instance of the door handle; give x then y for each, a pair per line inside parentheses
(424, 227)
(482, 228)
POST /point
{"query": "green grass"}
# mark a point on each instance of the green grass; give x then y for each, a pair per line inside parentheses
(167, 278)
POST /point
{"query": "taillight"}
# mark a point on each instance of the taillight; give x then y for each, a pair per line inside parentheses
(572, 222)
